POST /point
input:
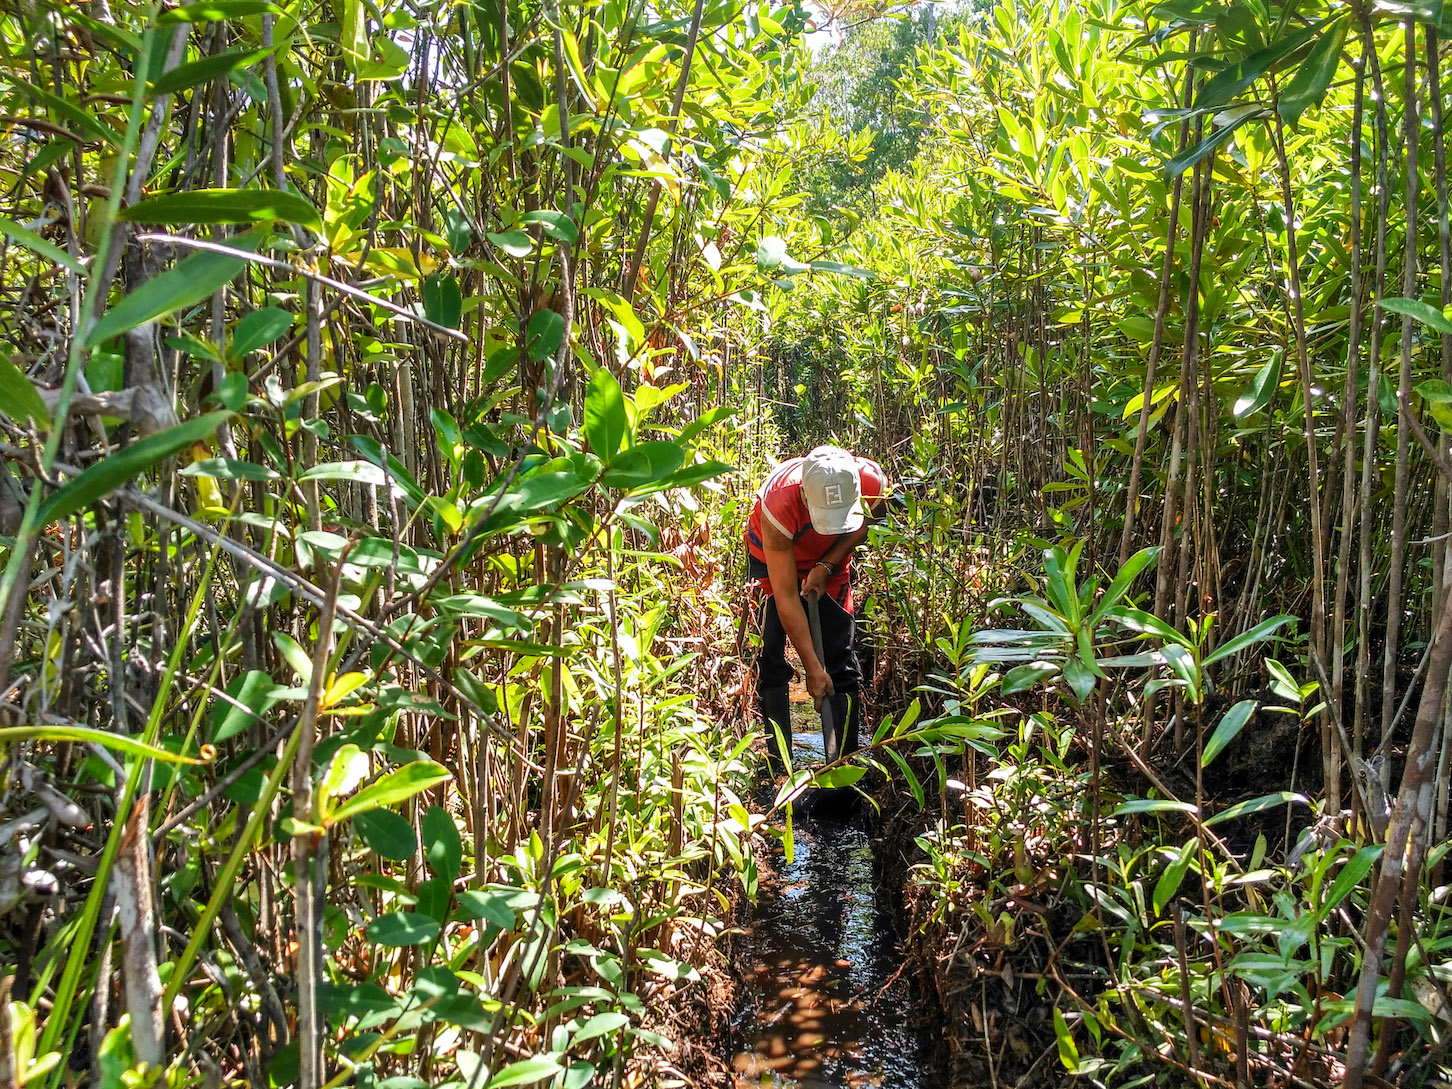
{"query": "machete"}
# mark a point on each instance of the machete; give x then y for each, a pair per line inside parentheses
(830, 741)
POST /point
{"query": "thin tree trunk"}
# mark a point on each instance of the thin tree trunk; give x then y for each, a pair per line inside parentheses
(1162, 306)
(1348, 408)
(1330, 752)
(1411, 128)
(1401, 861)
(1440, 515)
(1371, 428)
(633, 272)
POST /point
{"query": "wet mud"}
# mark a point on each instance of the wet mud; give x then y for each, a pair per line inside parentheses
(826, 1002)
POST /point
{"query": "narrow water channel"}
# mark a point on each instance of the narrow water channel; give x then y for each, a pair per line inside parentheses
(822, 1008)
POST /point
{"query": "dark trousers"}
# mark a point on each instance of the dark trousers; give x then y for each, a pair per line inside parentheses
(839, 659)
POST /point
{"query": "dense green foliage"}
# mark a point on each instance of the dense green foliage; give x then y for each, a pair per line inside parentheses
(1181, 262)
(369, 621)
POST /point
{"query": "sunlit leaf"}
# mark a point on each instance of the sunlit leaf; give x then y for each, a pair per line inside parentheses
(225, 206)
(1228, 729)
(116, 470)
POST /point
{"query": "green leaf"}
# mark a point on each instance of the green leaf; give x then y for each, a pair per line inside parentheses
(605, 419)
(514, 243)
(535, 492)
(253, 690)
(1356, 867)
(1424, 11)
(704, 422)
(1234, 78)
(51, 252)
(1190, 156)
(1137, 327)
(395, 786)
(909, 777)
(842, 270)
(434, 897)
(770, 253)
(643, 464)
(189, 282)
(293, 653)
(1153, 805)
(525, 1072)
(844, 776)
(962, 728)
(1282, 683)
(1256, 805)
(230, 469)
(347, 768)
(688, 477)
(258, 329)
(1423, 312)
(400, 928)
(443, 848)
(1261, 389)
(483, 904)
(1258, 634)
(1147, 624)
(600, 1025)
(772, 256)
(443, 301)
(87, 735)
(1058, 586)
(206, 69)
(354, 37)
(209, 11)
(19, 398)
(1315, 73)
(1434, 391)
(1169, 882)
(115, 470)
(1080, 677)
(1022, 678)
(458, 231)
(1124, 579)
(555, 224)
(384, 831)
(225, 206)
(231, 392)
(1068, 1053)
(1230, 725)
(85, 120)
(545, 332)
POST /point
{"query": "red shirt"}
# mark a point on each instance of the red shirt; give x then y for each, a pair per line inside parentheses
(779, 500)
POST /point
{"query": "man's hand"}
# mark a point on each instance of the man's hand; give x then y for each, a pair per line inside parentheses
(781, 566)
(815, 582)
(819, 684)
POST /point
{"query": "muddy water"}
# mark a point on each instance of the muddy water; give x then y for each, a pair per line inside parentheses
(822, 1009)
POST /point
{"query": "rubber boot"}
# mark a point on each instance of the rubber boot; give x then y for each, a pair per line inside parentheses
(846, 714)
(775, 707)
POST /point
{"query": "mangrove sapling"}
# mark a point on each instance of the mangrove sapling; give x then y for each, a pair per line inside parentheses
(1371, 427)
(1346, 432)
(1411, 135)
(1331, 759)
(1442, 495)
(1173, 547)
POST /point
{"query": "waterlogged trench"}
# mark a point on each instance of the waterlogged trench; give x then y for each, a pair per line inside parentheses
(825, 1005)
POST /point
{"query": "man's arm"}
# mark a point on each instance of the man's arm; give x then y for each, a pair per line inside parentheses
(781, 567)
(841, 548)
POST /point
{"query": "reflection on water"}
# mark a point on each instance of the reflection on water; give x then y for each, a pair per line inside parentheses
(821, 952)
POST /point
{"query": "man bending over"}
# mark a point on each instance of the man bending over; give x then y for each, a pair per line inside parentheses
(810, 515)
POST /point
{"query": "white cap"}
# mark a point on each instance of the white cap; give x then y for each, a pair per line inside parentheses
(833, 491)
